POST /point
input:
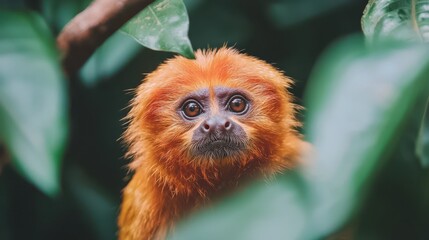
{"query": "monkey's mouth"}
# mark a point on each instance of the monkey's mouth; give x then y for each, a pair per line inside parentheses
(218, 148)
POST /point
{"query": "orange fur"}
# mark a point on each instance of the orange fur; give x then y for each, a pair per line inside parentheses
(168, 182)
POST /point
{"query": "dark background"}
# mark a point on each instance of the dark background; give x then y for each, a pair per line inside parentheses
(290, 34)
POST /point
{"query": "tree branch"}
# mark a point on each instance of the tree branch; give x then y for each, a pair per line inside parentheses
(90, 28)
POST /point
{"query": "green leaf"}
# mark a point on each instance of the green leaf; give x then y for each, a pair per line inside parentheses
(357, 99)
(396, 19)
(33, 106)
(265, 210)
(109, 58)
(163, 25)
(422, 146)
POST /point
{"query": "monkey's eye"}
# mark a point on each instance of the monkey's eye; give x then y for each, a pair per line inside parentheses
(238, 104)
(191, 109)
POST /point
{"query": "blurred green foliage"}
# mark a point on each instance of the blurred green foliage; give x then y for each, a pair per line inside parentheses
(365, 117)
(33, 99)
(422, 146)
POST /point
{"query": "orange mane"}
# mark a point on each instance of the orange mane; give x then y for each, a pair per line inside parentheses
(169, 181)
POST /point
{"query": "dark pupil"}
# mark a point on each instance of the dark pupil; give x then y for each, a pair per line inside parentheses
(192, 109)
(237, 105)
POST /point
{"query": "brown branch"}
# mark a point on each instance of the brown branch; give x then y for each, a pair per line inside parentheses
(90, 28)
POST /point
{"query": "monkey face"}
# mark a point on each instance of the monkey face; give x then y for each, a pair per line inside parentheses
(223, 107)
(217, 135)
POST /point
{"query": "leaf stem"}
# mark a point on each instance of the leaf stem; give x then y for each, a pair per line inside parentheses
(414, 19)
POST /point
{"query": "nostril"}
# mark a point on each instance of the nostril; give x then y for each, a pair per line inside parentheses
(227, 125)
(206, 126)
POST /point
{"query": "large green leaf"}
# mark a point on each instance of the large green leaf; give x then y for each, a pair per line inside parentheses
(163, 25)
(274, 210)
(358, 98)
(397, 19)
(33, 106)
(422, 147)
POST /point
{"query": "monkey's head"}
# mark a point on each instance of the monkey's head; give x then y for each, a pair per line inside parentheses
(221, 109)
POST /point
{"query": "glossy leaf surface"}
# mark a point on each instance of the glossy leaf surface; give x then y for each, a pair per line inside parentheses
(397, 19)
(163, 25)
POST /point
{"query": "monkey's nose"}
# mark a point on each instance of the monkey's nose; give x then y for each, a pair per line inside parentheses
(216, 124)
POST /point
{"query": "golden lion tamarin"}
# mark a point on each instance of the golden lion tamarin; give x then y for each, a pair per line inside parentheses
(198, 127)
